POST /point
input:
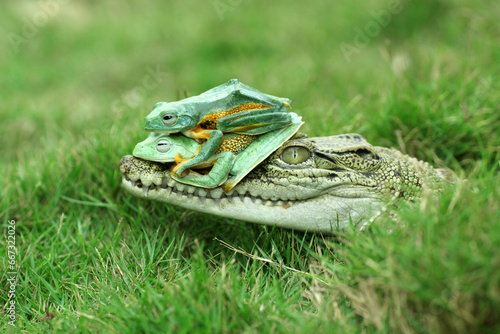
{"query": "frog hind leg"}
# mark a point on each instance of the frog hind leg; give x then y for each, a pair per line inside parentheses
(255, 122)
(207, 150)
(246, 92)
(260, 149)
(222, 164)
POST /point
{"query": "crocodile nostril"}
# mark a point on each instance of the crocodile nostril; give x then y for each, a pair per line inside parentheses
(332, 175)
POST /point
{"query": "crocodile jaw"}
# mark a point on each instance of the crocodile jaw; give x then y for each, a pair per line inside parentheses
(314, 214)
(325, 212)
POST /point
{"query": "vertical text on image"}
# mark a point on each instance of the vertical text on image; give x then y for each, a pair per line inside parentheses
(11, 272)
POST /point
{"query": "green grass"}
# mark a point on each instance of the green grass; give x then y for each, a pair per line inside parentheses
(98, 260)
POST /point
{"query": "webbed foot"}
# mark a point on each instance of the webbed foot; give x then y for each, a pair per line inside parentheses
(221, 165)
(181, 165)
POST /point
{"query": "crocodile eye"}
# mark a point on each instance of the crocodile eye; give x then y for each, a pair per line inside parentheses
(169, 119)
(295, 155)
(163, 146)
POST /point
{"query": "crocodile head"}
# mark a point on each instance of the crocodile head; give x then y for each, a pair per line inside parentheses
(312, 184)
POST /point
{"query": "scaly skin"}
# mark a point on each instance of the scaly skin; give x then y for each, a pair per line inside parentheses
(312, 184)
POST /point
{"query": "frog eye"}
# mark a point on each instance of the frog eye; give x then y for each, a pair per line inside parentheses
(163, 146)
(169, 119)
(295, 155)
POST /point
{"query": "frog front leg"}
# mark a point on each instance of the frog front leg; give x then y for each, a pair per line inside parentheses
(207, 150)
(222, 165)
(256, 122)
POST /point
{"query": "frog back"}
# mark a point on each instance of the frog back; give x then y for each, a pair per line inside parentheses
(228, 98)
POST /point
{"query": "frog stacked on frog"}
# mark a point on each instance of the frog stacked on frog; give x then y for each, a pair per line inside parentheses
(231, 128)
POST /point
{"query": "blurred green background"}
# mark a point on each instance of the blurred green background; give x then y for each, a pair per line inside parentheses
(71, 66)
(77, 78)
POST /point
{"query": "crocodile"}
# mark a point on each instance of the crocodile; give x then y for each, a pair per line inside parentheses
(321, 184)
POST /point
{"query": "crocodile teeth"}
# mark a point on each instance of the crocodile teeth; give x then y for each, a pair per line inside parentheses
(247, 200)
(188, 193)
(180, 187)
(202, 193)
(254, 193)
(165, 184)
(258, 201)
(170, 182)
(216, 193)
(217, 202)
(240, 191)
(264, 196)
